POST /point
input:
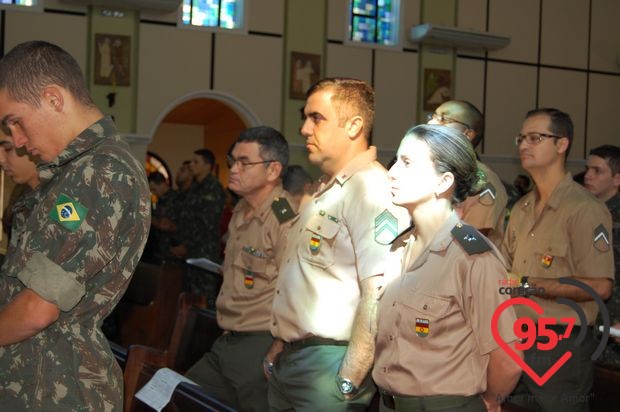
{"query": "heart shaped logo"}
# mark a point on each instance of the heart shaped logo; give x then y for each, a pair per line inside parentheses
(540, 380)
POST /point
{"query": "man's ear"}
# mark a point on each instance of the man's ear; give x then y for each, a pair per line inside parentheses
(616, 180)
(562, 145)
(354, 127)
(274, 170)
(53, 97)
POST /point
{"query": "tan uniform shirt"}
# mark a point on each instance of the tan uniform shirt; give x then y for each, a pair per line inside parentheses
(487, 210)
(434, 335)
(250, 267)
(340, 238)
(570, 238)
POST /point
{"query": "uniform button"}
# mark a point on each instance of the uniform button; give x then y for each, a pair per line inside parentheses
(318, 228)
(524, 260)
(237, 237)
(385, 370)
(425, 307)
(393, 303)
(532, 234)
(288, 260)
(274, 323)
(278, 291)
(391, 337)
(300, 230)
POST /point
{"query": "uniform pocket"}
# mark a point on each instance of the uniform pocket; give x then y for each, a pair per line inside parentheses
(320, 237)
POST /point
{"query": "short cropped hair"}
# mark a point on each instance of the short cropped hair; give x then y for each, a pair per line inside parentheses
(451, 152)
(295, 179)
(272, 145)
(474, 119)
(207, 156)
(351, 97)
(560, 123)
(157, 178)
(30, 67)
(611, 154)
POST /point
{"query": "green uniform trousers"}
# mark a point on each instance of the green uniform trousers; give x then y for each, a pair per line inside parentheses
(305, 380)
(233, 371)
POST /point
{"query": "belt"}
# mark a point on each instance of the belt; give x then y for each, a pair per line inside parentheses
(235, 333)
(425, 403)
(315, 341)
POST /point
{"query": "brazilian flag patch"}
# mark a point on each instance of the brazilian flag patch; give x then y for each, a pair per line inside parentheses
(68, 212)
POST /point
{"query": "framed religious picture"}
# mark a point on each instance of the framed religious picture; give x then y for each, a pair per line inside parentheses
(437, 88)
(112, 59)
(305, 71)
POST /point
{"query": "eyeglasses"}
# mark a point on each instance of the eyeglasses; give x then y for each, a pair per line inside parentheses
(534, 138)
(444, 119)
(242, 164)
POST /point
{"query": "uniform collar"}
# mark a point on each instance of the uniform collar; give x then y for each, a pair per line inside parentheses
(556, 196)
(356, 164)
(444, 237)
(261, 213)
(91, 137)
(613, 202)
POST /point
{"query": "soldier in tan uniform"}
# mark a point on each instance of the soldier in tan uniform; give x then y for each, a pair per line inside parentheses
(332, 267)
(486, 210)
(435, 346)
(232, 371)
(558, 230)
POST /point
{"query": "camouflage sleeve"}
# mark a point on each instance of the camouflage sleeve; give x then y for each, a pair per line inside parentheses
(52, 282)
(74, 232)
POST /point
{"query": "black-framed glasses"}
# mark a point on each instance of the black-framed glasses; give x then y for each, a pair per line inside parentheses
(444, 119)
(534, 138)
(242, 164)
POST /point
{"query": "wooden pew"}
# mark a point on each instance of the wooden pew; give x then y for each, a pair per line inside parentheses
(186, 397)
(194, 332)
(146, 313)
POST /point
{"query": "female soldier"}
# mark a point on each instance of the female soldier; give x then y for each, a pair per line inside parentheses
(435, 348)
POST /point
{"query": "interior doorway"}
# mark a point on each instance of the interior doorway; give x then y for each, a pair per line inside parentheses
(208, 120)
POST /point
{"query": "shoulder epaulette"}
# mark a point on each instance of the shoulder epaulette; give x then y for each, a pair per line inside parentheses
(282, 209)
(472, 241)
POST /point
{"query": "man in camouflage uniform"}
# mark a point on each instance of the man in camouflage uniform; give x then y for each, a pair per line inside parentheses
(199, 223)
(602, 179)
(485, 211)
(77, 242)
(163, 220)
(232, 371)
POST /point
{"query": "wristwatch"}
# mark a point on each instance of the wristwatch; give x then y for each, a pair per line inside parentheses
(345, 386)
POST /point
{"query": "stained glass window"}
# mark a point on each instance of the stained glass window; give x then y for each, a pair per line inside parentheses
(226, 14)
(28, 3)
(374, 21)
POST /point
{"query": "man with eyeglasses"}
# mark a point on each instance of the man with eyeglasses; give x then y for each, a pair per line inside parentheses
(557, 230)
(485, 211)
(232, 371)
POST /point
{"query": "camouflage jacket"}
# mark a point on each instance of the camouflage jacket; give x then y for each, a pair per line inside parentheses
(77, 249)
(199, 222)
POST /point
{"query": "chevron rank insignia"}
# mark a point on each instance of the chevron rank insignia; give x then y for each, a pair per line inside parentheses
(487, 195)
(68, 213)
(472, 241)
(282, 209)
(601, 239)
(386, 227)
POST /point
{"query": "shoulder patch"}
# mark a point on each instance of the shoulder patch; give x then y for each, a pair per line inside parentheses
(600, 239)
(386, 227)
(472, 241)
(282, 209)
(68, 213)
(487, 194)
